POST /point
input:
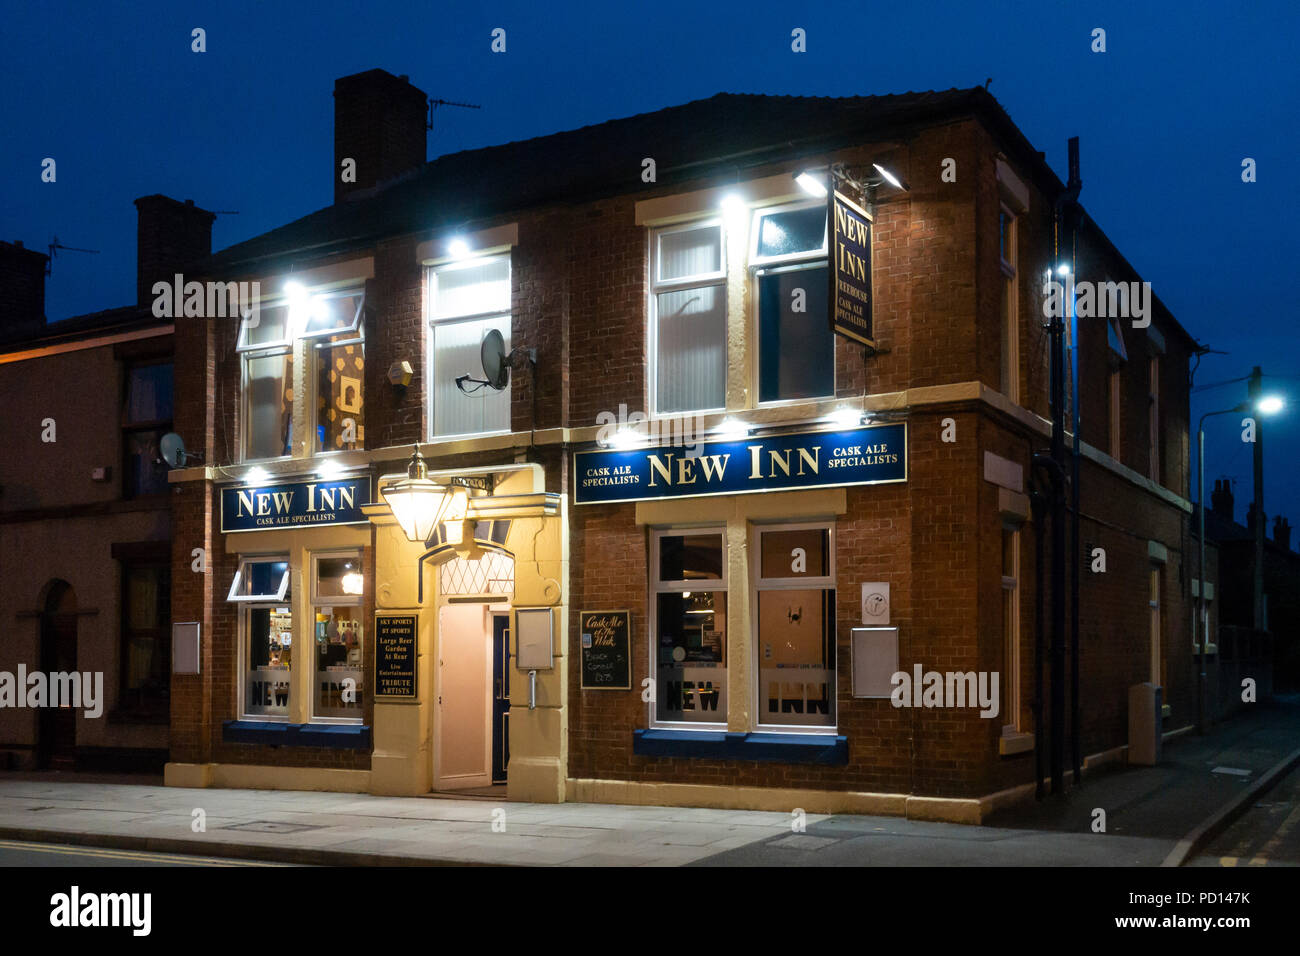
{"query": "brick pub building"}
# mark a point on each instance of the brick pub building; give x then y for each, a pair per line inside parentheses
(578, 634)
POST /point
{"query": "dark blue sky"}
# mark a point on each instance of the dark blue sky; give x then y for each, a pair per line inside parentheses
(1184, 92)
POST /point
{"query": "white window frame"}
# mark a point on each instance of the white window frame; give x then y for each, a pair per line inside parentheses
(1153, 418)
(759, 267)
(758, 583)
(317, 600)
(1116, 403)
(304, 351)
(655, 587)
(432, 321)
(1155, 598)
(251, 603)
(812, 255)
(657, 286)
(278, 598)
(353, 326)
(245, 410)
(1009, 320)
(1011, 633)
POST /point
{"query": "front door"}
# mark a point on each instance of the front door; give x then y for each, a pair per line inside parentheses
(57, 740)
(463, 757)
(500, 696)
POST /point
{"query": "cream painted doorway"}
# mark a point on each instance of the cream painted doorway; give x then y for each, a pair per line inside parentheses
(463, 698)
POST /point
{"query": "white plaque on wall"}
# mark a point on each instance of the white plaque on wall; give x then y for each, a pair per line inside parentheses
(875, 661)
(535, 639)
(875, 604)
(185, 648)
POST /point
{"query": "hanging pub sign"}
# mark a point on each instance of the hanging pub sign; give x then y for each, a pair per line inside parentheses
(295, 504)
(874, 454)
(395, 657)
(850, 272)
(606, 649)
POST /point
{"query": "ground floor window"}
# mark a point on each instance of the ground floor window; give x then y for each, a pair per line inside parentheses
(794, 588)
(689, 631)
(337, 587)
(261, 585)
(1153, 603)
(1010, 683)
(146, 648)
(269, 633)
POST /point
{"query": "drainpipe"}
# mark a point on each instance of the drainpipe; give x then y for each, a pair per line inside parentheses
(1038, 506)
(1073, 186)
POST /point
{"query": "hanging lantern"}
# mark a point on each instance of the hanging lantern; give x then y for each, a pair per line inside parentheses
(417, 502)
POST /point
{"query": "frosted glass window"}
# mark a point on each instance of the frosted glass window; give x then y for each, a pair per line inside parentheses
(689, 319)
(791, 233)
(472, 289)
(466, 302)
(690, 253)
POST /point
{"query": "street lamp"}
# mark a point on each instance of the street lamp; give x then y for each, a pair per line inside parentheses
(1266, 405)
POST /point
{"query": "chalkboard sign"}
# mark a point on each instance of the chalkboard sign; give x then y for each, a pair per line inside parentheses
(395, 656)
(606, 642)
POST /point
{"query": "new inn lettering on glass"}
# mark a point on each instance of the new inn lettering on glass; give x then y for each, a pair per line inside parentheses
(295, 504)
(873, 454)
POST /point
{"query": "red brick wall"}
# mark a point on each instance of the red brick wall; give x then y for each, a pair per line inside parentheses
(579, 299)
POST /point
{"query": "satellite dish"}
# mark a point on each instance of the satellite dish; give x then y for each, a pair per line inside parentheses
(496, 364)
(172, 449)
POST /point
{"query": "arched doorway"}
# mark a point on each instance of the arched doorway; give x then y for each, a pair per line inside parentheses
(56, 739)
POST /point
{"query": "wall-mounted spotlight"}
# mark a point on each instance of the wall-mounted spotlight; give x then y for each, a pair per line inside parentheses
(813, 183)
(890, 178)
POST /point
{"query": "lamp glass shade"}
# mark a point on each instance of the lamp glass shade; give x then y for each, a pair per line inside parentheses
(417, 504)
(457, 503)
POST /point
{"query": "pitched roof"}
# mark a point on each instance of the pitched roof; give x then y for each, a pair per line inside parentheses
(599, 160)
(127, 318)
(687, 141)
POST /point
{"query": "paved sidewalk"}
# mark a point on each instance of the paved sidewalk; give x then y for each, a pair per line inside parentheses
(1169, 800)
(358, 829)
(1148, 810)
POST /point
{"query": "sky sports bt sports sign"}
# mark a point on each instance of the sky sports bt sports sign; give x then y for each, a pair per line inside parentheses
(873, 454)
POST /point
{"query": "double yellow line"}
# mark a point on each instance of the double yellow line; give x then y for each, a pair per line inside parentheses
(138, 855)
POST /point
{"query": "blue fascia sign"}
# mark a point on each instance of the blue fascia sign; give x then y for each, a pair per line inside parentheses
(305, 503)
(873, 454)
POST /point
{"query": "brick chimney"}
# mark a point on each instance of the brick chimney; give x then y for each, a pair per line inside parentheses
(22, 290)
(1221, 498)
(170, 236)
(1252, 516)
(379, 121)
(1282, 533)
